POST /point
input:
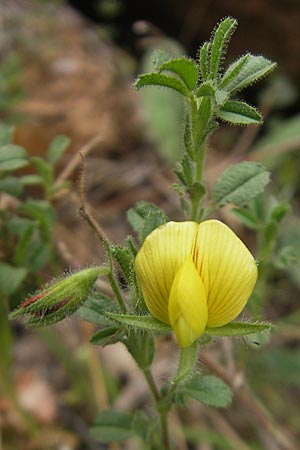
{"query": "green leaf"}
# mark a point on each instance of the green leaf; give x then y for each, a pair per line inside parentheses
(17, 225)
(239, 329)
(185, 68)
(246, 217)
(220, 41)
(10, 278)
(240, 182)
(57, 147)
(44, 168)
(221, 97)
(125, 259)
(188, 138)
(233, 71)
(12, 157)
(6, 134)
(95, 308)
(23, 245)
(208, 389)
(254, 68)
(203, 60)
(258, 340)
(30, 180)
(43, 213)
(141, 346)
(239, 113)
(159, 79)
(111, 426)
(286, 257)
(206, 89)
(145, 217)
(38, 254)
(205, 123)
(107, 336)
(158, 58)
(147, 323)
(11, 185)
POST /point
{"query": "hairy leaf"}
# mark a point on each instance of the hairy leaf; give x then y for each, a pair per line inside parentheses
(159, 79)
(255, 68)
(219, 44)
(239, 329)
(239, 113)
(185, 68)
(147, 323)
(240, 182)
(209, 390)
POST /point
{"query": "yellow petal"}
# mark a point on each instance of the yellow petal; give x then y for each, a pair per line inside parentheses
(187, 304)
(162, 254)
(227, 269)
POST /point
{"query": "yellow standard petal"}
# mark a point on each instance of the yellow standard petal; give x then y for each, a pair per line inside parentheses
(187, 304)
(159, 259)
(227, 269)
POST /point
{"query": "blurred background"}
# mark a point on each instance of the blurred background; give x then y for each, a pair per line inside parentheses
(67, 68)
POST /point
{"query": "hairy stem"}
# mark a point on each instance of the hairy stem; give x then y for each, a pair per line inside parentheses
(162, 412)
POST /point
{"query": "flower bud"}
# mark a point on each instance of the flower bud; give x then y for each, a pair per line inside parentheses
(60, 299)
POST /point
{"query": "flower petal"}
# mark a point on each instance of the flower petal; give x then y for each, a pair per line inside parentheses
(187, 304)
(227, 269)
(162, 254)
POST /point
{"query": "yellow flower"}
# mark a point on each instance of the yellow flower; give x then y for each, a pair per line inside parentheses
(195, 276)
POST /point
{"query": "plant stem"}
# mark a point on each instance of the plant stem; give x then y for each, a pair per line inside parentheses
(163, 412)
(151, 384)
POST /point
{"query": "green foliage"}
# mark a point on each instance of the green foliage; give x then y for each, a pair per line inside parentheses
(57, 148)
(159, 79)
(207, 389)
(46, 167)
(26, 231)
(163, 108)
(112, 426)
(240, 329)
(239, 113)
(219, 43)
(107, 336)
(239, 183)
(144, 218)
(247, 70)
(147, 323)
(186, 69)
(10, 85)
(96, 308)
(12, 157)
(10, 278)
(281, 137)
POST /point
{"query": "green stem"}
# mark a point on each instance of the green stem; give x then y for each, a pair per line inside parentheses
(112, 279)
(163, 412)
(151, 383)
(5, 345)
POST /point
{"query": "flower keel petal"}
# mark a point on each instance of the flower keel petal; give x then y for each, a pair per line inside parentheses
(158, 261)
(187, 304)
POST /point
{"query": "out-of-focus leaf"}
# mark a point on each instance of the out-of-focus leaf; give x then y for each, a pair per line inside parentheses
(111, 426)
(57, 147)
(10, 278)
(12, 157)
